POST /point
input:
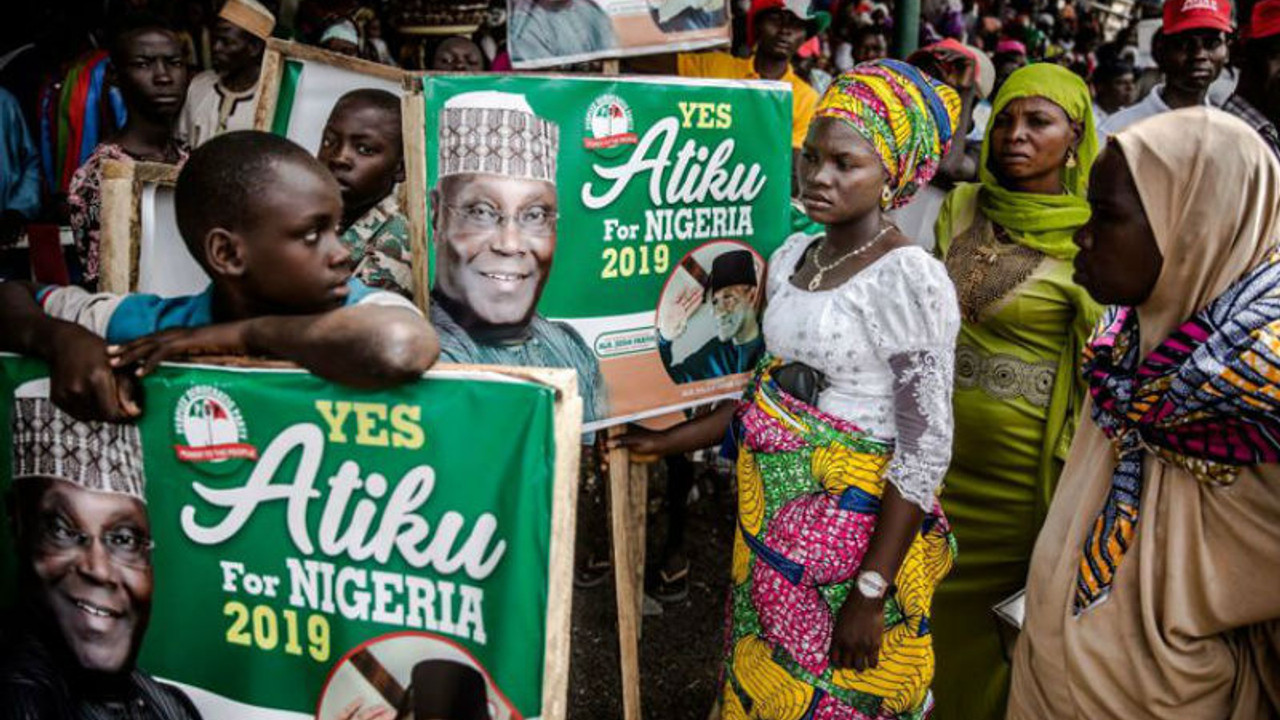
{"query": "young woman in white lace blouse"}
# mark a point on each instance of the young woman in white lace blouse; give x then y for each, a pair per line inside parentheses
(845, 433)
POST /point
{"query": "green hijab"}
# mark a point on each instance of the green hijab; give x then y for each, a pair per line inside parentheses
(1044, 222)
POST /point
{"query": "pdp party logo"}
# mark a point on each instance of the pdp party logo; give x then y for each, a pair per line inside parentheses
(209, 428)
(609, 124)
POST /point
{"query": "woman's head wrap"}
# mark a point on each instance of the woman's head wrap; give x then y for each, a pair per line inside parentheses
(906, 115)
(1044, 222)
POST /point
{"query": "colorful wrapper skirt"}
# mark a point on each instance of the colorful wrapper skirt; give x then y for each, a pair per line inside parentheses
(809, 487)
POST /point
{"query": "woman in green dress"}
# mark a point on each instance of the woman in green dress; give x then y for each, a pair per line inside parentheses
(1007, 244)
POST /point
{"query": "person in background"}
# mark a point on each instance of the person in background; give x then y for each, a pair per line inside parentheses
(458, 54)
(375, 47)
(866, 43)
(775, 31)
(341, 38)
(19, 171)
(147, 67)
(1257, 97)
(967, 71)
(840, 541)
(1190, 50)
(1152, 588)
(1007, 244)
(1115, 88)
(1010, 56)
(226, 97)
(363, 149)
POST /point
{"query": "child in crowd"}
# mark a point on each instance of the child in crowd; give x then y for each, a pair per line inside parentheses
(147, 66)
(362, 148)
(260, 215)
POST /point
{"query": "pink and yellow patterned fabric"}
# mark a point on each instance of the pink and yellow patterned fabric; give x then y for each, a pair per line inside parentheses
(1207, 399)
(809, 488)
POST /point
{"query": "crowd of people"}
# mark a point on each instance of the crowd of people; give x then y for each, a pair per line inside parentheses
(1022, 339)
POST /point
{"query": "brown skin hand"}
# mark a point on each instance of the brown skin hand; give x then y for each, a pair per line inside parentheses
(280, 284)
(1030, 140)
(1119, 261)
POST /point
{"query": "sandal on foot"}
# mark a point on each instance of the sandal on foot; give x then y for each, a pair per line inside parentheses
(672, 587)
(591, 573)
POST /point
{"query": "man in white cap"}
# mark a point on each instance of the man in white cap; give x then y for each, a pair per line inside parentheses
(493, 218)
(226, 97)
(80, 525)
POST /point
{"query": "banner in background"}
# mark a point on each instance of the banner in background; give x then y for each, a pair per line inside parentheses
(316, 549)
(636, 213)
(546, 33)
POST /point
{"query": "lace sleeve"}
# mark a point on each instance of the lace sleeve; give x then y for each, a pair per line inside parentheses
(922, 407)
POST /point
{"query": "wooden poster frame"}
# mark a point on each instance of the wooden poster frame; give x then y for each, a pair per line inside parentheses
(412, 190)
(120, 221)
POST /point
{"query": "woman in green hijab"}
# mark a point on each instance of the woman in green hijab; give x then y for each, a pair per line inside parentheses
(1007, 243)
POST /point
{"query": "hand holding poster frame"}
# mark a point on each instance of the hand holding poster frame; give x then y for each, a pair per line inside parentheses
(343, 547)
(549, 33)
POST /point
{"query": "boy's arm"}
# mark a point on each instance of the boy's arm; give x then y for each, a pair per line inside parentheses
(365, 346)
(81, 381)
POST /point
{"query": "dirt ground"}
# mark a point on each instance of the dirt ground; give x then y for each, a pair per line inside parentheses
(681, 648)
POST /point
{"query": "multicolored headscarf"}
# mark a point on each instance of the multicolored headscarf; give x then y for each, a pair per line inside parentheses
(1204, 400)
(908, 116)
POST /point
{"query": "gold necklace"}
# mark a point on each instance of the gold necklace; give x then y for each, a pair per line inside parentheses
(816, 282)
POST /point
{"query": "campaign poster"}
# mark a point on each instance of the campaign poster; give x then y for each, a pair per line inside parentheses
(282, 548)
(618, 226)
(548, 33)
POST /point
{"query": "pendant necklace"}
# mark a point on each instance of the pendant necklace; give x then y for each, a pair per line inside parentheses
(817, 278)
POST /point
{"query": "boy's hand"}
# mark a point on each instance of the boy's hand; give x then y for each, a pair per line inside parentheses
(148, 352)
(84, 384)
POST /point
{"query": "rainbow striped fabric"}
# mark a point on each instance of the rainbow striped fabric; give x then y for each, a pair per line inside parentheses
(1206, 400)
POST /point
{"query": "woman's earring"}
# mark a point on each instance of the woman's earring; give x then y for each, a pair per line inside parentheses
(886, 196)
(1071, 158)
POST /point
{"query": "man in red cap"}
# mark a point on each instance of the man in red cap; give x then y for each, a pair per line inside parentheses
(1190, 50)
(775, 31)
(1257, 96)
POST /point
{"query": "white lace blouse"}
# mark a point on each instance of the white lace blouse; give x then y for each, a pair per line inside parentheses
(885, 342)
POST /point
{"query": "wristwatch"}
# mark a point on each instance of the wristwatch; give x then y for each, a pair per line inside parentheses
(872, 585)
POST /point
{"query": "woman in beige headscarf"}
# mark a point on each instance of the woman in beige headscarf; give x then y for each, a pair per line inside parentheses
(1173, 612)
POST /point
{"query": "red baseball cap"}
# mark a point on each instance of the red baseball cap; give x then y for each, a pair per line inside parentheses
(1183, 15)
(1266, 20)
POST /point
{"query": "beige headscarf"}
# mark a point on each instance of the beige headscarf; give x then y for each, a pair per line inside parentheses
(1212, 195)
(1191, 629)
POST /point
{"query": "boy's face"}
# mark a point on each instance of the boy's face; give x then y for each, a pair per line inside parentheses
(361, 146)
(152, 74)
(294, 262)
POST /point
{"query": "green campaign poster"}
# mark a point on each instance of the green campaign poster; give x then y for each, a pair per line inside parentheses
(316, 549)
(616, 225)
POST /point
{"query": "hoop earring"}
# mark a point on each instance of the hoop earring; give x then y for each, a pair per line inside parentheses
(886, 196)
